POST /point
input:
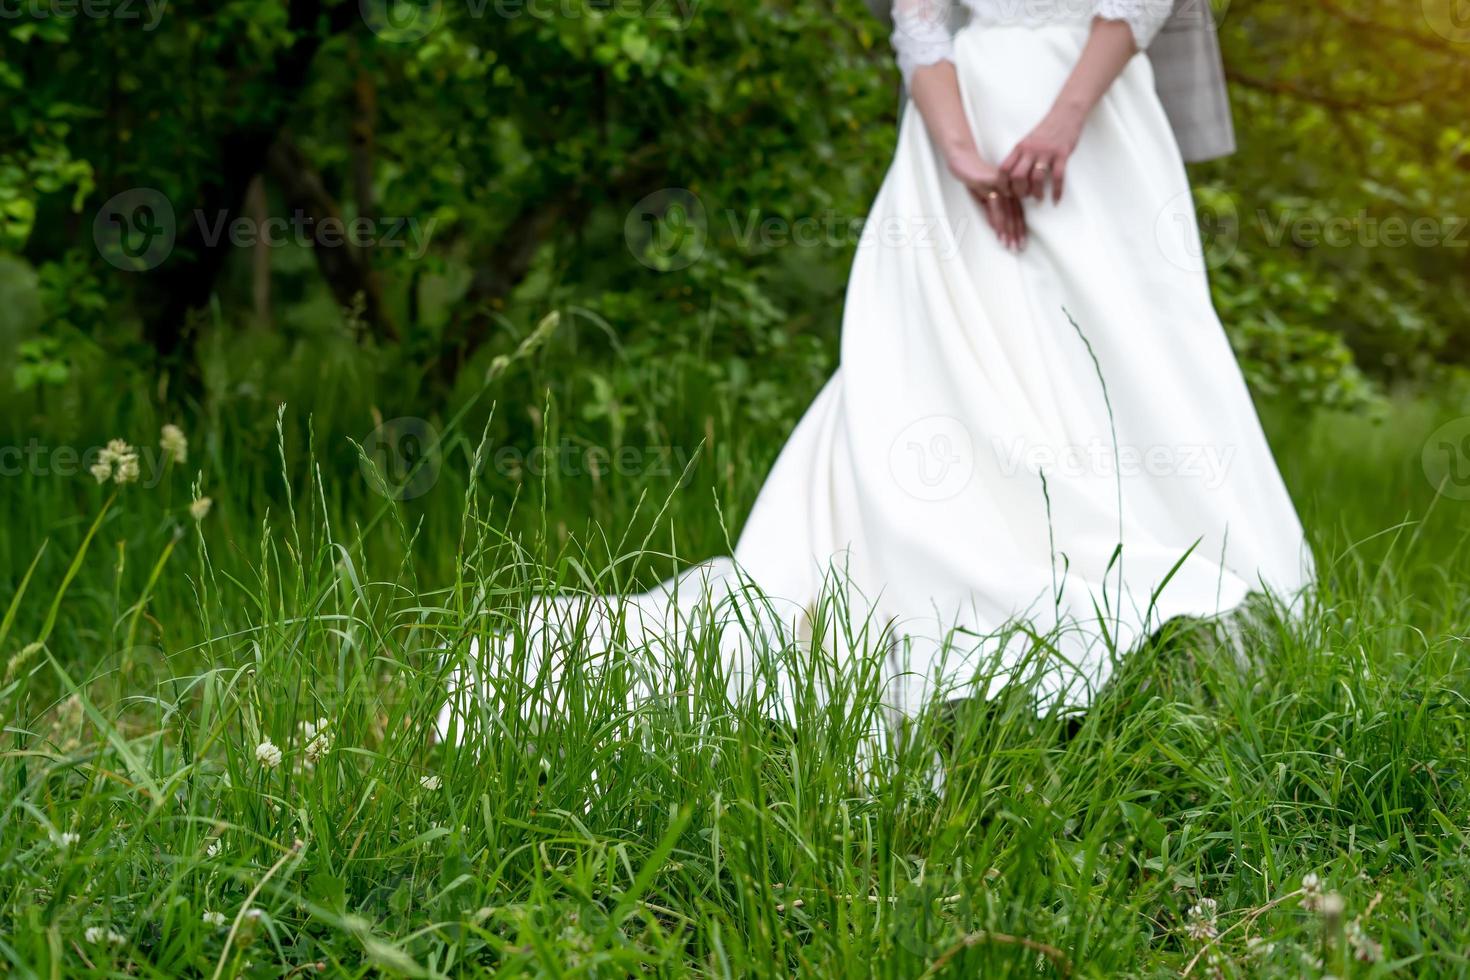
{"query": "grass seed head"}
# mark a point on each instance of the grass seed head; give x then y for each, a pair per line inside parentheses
(174, 443)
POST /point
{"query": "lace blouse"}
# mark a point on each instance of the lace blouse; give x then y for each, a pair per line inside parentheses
(922, 34)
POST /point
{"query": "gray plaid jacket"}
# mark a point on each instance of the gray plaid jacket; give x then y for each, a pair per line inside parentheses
(1188, 73)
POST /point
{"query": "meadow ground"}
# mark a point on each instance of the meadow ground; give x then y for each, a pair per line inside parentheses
(218, 759)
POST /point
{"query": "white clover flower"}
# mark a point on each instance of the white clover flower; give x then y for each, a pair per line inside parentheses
(102, 470)
(1200, 932)
(318, 747)
(249, 926)
(199, 509)
(213, 848)
(1200, 920)
(67, 839)
(97, 935)
(213, 918)
(318, 739)
(1311, 892)
(1365, 949)
(268, 754)
(430, 783)
(174, 443)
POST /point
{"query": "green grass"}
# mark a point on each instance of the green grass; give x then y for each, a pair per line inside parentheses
(688, 835)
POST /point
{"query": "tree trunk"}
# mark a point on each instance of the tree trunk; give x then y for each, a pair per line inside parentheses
(347, 270)
(364, 123)
(174, 292)
(260, 257)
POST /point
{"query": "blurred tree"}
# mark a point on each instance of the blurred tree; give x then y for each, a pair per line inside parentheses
(692, 173)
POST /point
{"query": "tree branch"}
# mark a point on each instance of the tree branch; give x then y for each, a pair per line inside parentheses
(348, 271)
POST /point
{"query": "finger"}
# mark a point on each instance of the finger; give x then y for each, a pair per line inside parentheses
(1003, 214)
(1002, 222)
(1018, 222)
(1028, 175)
(1057, 177)
(982, 199)
(1036, 177)
(1040, 175)
(992, 217)
(1003, 171)
(1019, 174)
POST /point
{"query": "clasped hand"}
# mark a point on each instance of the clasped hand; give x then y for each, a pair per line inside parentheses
(1039, 161)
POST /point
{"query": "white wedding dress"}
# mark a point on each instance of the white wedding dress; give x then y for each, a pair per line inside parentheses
(977, 460)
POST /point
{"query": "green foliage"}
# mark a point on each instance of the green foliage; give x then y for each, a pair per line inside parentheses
(39, 363)
(523, 141)
(1348, 197)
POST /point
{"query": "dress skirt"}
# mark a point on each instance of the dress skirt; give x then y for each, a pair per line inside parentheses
(1047, 450)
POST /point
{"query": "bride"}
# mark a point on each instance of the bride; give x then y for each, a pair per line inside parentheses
(1037, 417)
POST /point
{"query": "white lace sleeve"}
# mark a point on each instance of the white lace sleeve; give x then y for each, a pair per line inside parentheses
(921, 34)
(1144, 17)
